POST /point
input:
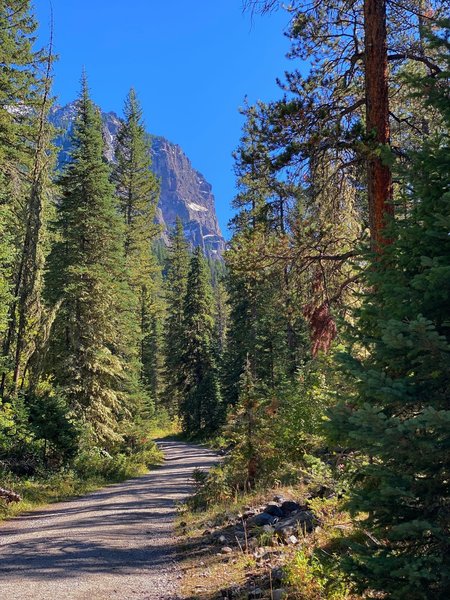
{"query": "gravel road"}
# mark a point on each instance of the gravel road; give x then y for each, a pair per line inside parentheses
(116, 543)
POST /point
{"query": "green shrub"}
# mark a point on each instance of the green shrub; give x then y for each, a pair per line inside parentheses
(53, 426)
(96, 462)
(212, 487)
(315, 575)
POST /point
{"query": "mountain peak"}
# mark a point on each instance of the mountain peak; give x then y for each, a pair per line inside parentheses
(185, 193)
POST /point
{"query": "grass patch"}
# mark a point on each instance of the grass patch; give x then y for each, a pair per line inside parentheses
(208, 573)
(39, 491)
(167, 428)
(309, 570)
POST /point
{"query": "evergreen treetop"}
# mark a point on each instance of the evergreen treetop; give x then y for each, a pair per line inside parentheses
(200, 407)
(176, 288)
(137, 189)
(87, 271)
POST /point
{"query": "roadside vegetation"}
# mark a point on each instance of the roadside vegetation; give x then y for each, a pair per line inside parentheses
(92, 469)
(233, 550)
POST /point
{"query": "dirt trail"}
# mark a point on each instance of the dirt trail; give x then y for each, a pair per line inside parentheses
(116, 543)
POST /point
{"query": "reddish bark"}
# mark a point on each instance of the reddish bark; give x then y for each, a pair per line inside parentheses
(322, 325)
(377, 117)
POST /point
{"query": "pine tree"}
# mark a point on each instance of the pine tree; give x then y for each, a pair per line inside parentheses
(31, 314)
(138, 191)
(262, 325)
(153, 343)
(221, 316)
(91, 342)
(200, 407)
(176, 286)
(400, 415)
(24, 174)
(347, 103)
(249, 431)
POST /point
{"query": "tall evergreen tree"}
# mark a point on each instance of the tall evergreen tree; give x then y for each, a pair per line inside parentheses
(176, 286)
(24, 174)
(153, 346)
(200, 406)
(400, 415)
(138, 191)
(263, 327)
(90, 356)
(221, 316)
(31, 314)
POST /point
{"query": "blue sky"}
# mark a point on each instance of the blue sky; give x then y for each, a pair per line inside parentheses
(191, 62)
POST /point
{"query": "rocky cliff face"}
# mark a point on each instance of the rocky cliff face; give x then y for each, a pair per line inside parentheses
(185, 193)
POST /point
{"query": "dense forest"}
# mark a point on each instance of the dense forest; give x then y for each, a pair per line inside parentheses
(319, 344)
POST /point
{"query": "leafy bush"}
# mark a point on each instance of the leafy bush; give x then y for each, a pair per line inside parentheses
(96, 462)
(37, 432)
(302, 406)
(211, 488)
(53, 425)
(315, 575)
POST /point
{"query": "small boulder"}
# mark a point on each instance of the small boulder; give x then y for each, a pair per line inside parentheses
(273, 509)
(292, 539)
(303, 520)
(277, 575)
(230, 593)
(226, 550)
(256, 593)
(284, 533)
(252, 543)
(278, 594)
(261, 520)
(289, 506)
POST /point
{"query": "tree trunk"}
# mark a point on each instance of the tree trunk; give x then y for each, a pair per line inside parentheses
(377, 118)
(31, 262)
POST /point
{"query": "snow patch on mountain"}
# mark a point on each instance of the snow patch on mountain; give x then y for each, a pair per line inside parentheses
(194, 206)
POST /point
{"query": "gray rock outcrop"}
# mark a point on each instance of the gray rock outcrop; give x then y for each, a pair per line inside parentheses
(185, 193)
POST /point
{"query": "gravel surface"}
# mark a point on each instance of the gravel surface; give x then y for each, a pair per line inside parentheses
(116, 543)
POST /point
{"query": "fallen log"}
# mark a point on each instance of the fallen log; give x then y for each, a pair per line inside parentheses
(9, 496)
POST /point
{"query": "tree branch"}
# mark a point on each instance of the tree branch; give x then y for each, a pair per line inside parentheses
(417, 57)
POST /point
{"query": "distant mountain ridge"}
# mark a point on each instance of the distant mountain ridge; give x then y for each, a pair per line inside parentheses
(185, 193)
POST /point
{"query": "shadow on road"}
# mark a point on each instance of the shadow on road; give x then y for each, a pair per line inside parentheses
(124, 529)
